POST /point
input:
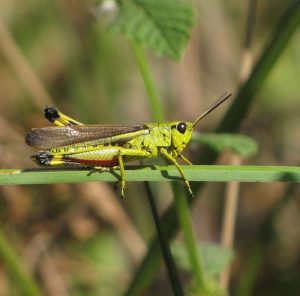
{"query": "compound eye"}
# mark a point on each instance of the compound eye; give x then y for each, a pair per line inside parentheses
(181, 127)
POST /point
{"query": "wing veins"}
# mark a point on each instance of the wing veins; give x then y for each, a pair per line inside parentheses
(49, 137)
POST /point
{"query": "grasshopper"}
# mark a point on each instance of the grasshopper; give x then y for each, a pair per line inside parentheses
(107, 147)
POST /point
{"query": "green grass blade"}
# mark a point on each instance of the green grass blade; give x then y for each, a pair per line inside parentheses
(200, 173)
(153, 100)
(286, 27)
(9, 257)
(185, 220)
(151, 262)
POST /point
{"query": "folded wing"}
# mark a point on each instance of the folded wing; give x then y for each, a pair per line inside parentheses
(49, 137)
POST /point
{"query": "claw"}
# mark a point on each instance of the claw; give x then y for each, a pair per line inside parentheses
(191, 193)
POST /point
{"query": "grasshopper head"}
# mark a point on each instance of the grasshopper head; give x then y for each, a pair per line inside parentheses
(181, 133)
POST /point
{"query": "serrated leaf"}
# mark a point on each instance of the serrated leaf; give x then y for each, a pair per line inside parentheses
(214, 258)
(242, 145)
(162, 25)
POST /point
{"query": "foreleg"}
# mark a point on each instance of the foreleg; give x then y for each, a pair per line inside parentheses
(165, 153)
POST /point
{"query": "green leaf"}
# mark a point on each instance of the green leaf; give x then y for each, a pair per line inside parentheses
(242, 145)
(214, 258)
(162, 25)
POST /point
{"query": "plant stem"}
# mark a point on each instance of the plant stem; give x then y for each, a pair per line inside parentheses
(183, 214)
(229, 218)
(157, 115)
(154, 103)
(170, 264)
(200, 173)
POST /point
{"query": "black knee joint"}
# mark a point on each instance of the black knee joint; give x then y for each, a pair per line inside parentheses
(42, 158)
(51, 113)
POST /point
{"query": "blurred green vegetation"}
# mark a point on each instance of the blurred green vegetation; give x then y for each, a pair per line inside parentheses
(81, 239)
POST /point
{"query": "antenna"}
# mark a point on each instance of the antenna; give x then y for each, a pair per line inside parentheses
(218, 102)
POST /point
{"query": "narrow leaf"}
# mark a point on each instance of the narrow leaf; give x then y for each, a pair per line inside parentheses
(212, 173)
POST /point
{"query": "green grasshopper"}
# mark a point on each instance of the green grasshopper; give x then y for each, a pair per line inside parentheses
(107, 147)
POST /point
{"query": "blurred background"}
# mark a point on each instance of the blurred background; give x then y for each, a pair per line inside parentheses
(81, 239)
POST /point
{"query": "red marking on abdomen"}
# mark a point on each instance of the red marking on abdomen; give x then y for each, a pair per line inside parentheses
(93, 162)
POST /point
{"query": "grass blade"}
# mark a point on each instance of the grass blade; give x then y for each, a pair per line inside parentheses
(286, 27)
(200, 173)
(24, 281)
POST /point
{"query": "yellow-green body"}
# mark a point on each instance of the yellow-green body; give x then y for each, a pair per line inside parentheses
(167, 139)
(107, 147)
(149, 141)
